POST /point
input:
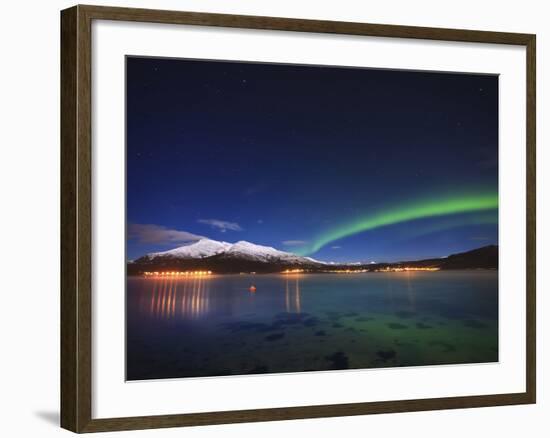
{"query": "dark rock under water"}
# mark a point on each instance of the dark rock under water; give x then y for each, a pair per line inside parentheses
(339, 360)
(386, 355)
(397, 326)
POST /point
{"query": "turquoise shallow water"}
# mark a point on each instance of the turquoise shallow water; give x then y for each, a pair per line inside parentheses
(213, 326)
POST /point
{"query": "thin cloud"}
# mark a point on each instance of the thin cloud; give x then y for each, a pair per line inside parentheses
(294, 242)
(336, 247)
(220, 225)
(157, 234)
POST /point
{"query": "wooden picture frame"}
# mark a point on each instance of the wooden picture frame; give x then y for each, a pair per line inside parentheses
(76, 218)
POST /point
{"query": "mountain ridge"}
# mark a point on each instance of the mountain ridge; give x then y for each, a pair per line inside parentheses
(205, 247)
(243, 256)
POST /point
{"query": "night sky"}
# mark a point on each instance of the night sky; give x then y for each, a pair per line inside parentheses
(343, 164)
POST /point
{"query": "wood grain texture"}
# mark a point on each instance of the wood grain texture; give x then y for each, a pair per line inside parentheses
(303, 412)
(76, 220)
(531, 307)
(69, 327)
(76, 186)
(300, 25)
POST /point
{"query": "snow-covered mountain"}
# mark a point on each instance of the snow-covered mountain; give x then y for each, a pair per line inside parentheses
(200, 249)
(265, 253)
(241, 256)
(224, 257)
(205, 248)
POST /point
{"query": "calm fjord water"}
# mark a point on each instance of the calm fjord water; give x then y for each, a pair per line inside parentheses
(211, 326)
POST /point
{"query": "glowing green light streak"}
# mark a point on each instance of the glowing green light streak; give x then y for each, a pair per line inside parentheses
(418, 210)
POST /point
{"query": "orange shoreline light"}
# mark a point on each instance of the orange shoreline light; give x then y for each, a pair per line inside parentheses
(407, 269)
(177, 273)
(292, 271)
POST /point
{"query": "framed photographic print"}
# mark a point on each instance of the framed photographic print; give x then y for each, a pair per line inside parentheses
(270, 218)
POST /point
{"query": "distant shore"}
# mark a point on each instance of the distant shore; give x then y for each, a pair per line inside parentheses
(485, 258)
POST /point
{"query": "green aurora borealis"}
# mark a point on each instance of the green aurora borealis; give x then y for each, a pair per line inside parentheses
(420, 209)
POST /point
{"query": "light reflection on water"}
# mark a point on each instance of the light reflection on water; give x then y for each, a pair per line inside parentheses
(292, 295)
(177, 298)
(241, 324)
(189, 297)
